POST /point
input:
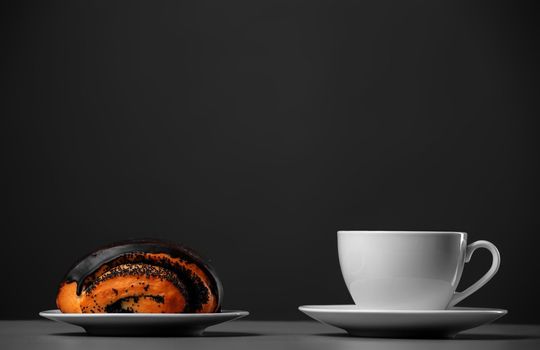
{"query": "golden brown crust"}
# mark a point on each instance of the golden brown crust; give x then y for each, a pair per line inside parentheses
(212, 304)
(134, 288)
(67, 299)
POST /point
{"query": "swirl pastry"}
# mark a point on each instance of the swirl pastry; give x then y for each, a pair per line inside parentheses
(141, 276)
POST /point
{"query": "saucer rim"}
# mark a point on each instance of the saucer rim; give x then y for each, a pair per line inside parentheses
(354, 309)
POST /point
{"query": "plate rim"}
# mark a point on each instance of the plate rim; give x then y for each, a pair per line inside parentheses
(58, 313)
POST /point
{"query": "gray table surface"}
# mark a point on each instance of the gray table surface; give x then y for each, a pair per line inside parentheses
(262, 335)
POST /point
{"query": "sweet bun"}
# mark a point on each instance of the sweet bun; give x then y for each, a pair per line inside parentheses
(149, 276)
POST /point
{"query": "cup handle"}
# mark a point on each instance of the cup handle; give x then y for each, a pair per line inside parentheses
(496, 262)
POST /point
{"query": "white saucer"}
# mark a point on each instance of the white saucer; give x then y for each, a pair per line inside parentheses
(139, 324)
(402, 323)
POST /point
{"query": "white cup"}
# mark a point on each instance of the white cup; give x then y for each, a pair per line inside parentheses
(404, 270)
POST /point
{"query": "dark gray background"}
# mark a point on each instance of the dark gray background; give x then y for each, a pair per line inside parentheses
(254, 130)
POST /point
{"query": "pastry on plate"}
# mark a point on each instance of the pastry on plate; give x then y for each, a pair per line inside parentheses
(141, 276)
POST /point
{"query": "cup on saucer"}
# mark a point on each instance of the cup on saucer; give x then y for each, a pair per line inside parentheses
(403, 284)
(408, 270)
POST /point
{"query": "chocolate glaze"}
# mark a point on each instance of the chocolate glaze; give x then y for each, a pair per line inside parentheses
(92, 262)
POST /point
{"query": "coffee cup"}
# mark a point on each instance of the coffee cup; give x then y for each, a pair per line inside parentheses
(408, 270)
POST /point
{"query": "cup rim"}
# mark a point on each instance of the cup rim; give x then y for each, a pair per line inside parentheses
(398, 232)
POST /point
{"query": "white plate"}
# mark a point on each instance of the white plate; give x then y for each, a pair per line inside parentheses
(140, 324)
(402, 323)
